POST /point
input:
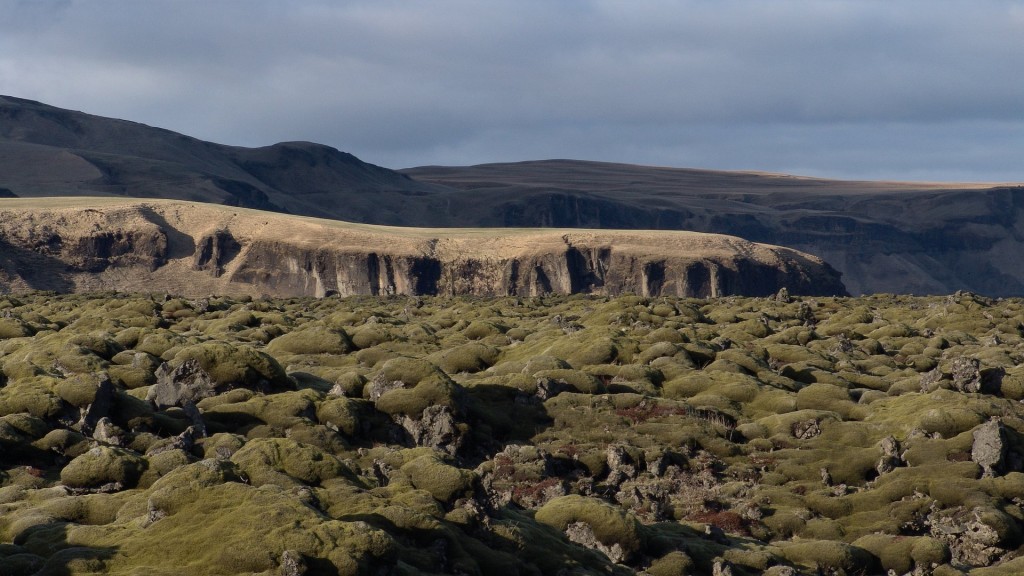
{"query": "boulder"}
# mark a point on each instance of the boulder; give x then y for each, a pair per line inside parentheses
(989, 448)
(435, 428)
(186, 383)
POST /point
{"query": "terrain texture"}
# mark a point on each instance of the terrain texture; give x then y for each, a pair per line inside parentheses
(896, 237)
(79, 244)
(548, 435)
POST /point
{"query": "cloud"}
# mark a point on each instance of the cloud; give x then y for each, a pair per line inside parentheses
(825, 86)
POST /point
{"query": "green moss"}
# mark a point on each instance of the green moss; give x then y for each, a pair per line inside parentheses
(228, 364)
(316, 339)
(611, 525)
(31, 395)
(824, 555)
(471, 357)
(103, 465)
(342, 413)
(14, 328)
(284, 462)
(442, 480)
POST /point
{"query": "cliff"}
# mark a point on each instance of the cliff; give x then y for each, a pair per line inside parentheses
(74, 244)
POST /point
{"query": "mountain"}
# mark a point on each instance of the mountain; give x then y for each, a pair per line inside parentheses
(199, 249)
(48, 151)
(899, 237)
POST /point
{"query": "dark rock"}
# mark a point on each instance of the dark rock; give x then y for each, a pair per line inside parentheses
(175, 386)
(989, 448)
(807, 429)
(435, 428)
(890, 459)
(109, 433)
(582, 534)
(549, 388)
(293, 563)
(721, 568)
(783, 295)
(930, 379)
(380, 385)
(100, 406)
(975, 536)
(966, 374)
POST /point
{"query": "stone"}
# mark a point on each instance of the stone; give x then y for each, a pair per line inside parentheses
(989, 448)
(381, 385)
(966, 374)
(890, 459)
(100, 406)
(293, 563)
(582, 534)
(174, 386)
(806, 429)
(109, 433)
(435, 428)
(972, 541)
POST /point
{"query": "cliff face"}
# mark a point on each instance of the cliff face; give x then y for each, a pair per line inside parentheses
(200, 249)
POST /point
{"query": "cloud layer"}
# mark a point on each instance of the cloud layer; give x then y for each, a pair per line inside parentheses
(855, 89)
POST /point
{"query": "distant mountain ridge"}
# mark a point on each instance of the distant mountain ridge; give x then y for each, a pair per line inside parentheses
(883, 236)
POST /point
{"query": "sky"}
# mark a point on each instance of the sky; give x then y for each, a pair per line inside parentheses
(859, 89)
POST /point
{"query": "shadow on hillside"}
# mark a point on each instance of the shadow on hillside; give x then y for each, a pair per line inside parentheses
(179, 244)
(39, 271)
(47, 552)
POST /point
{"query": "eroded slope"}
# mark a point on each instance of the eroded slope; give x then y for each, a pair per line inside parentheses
(195, 249)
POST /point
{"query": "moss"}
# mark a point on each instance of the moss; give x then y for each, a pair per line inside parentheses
(905, 553)
(426, 386)
(471, 357)
(316, 339)
(539, 363)
(103, 465)
(829, 555)
(576, 380)
(284, 462)
(31, 395)
(14, 328)
(442, 480)
(611, 525)
(282, 410)
(478, 330)
(675, 563)
(342, 413)
(231, 365)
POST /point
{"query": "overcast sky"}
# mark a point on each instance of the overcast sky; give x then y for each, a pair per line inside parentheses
(901, 89)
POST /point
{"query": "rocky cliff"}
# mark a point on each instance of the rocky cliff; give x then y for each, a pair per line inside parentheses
(197, 249)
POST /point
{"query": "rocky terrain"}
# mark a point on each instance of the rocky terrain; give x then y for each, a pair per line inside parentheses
(899, 237)
(515, 435)
(81, 244)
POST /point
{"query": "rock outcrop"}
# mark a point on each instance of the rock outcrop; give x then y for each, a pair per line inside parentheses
(199, 249)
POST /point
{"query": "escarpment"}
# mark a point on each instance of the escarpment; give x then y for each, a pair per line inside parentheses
(199, 249)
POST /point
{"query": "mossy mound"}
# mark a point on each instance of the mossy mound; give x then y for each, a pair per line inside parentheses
(525, 435)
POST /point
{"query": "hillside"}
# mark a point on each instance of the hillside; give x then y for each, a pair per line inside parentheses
(923, 238)
(196, 249)
(896, 237)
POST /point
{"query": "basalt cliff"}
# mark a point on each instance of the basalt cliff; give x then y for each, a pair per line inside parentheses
(79, 244)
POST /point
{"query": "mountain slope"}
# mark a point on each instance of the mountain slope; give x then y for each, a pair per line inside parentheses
(48, 151)
(198, 249)
(898, 237)
(883, 236)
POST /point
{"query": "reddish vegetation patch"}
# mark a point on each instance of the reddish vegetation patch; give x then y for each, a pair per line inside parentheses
(728, 521)
(534, 490)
